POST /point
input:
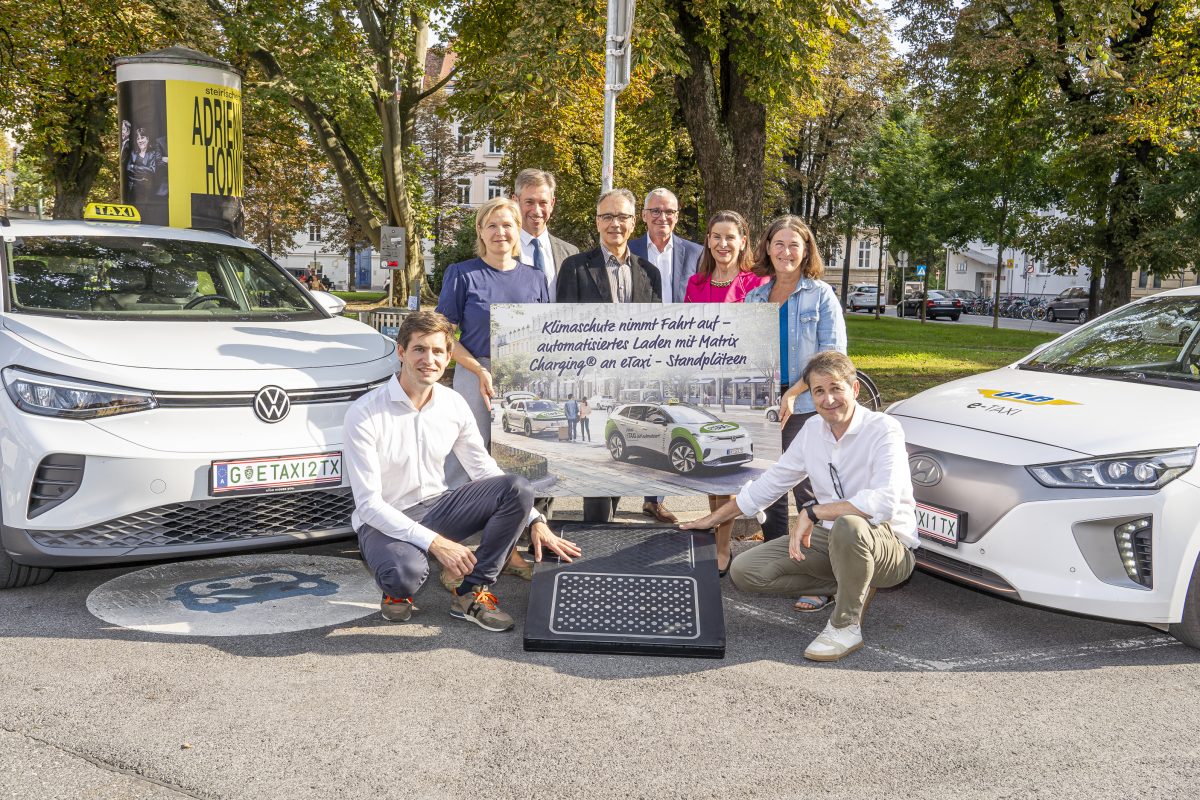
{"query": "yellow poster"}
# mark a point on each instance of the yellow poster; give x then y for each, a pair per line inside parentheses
(204, 130)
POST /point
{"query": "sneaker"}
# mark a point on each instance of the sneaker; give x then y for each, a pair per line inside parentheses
(835, 643)
(396, 609)
(480, 607)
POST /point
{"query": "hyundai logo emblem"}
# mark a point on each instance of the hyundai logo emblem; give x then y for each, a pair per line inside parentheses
(271, 404)
(925, 471)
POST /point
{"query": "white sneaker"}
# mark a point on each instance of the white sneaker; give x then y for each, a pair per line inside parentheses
(835, 643)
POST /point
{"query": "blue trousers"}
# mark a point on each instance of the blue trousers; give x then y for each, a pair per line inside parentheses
(497, 508)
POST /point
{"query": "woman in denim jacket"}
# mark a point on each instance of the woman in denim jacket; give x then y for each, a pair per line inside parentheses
(810, 320)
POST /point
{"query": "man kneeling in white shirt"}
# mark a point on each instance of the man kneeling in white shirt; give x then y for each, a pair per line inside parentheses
(860, 532)
(397, 437)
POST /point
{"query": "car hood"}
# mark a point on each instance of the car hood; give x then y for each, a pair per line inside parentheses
(712, 428)
(205, 345)
(1087, 415)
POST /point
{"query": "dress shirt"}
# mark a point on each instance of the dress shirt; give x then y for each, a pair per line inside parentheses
(619, 274)
(663, 259)
(395, 453)
(528, 243)
(871, 465)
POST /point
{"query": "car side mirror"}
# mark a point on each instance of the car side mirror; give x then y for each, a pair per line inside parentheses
(334, 305)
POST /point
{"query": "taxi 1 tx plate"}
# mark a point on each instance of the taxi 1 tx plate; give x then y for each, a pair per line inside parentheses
(279, 474)
(942, 525)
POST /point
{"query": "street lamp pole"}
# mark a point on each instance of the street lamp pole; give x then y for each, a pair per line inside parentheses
(617, 55)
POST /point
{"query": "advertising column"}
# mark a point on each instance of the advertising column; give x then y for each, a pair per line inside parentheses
(180, 114)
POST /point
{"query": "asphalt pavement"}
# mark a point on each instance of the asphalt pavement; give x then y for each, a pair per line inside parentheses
(956, 694)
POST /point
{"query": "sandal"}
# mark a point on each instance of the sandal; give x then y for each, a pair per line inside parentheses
(721, 573)
(811, 602)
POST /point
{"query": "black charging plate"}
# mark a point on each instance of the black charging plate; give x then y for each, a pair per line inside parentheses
(636, 590)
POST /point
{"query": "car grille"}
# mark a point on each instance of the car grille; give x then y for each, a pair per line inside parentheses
(962, 571)
(336, 394)
(55, 480)
(213, 521)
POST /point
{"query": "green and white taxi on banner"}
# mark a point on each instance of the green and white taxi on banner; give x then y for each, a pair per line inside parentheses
(688, 436)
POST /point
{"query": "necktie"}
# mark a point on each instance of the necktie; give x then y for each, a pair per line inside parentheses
(539, 263)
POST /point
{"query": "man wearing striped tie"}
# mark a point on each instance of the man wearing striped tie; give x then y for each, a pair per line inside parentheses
(534, 193)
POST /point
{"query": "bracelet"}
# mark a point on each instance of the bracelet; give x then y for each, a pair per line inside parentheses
(809, 509)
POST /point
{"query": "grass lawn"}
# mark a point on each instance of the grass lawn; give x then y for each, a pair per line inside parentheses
(360, 297)
(905, 357)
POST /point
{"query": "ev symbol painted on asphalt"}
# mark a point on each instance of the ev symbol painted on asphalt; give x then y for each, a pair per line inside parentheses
(238, 596)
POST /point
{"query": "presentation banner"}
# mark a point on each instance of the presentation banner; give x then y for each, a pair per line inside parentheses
(635, 399)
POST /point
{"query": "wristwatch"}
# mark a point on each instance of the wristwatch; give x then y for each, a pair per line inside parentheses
(812, 515)
(539, 518)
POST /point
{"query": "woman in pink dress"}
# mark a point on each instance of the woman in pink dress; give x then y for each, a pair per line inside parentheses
(724, 276)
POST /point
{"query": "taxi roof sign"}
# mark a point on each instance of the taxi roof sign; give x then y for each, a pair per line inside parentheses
(111, 212)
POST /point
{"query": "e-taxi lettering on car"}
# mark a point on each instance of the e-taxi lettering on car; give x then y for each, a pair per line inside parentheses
(1026, 398)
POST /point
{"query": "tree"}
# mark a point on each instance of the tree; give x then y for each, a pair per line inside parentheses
(1101, 73)
(356, 73)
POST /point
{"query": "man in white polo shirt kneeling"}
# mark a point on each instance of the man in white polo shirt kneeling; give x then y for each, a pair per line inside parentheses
(397, 438)
(858, 535)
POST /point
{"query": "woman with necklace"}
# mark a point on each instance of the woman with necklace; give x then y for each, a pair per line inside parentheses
(810, 321)
(468, 291)
(723, 276)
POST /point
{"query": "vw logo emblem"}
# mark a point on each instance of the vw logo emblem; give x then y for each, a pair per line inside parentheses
(271, 404)
(925, 471)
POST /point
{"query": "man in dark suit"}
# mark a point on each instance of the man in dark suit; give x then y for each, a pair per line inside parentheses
(676, 257)
(534, 193)
(609, 274)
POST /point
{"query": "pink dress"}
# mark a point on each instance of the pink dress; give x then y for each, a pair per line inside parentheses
(701, 290)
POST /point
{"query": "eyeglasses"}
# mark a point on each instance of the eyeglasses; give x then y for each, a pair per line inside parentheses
(663, 212)
(794, 247)
(837, 482)
(608, 219)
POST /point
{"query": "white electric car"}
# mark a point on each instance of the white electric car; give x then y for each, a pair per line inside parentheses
(688, 436)
(532, 416)
(1069, 479)
(167, 392)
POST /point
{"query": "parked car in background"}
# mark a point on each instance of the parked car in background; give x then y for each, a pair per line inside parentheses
(1070, 303)
(938, 303)
(688, 436)
(602, 402)
(968, 296)
(867, 298)
(168, 393)
(531, 417)
(1069, 479)
(510, 397)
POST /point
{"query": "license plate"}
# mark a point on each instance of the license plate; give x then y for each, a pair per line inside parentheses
(278, 474)
(736, 451)
(940, 524)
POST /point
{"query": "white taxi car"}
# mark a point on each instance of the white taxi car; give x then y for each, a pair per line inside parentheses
(688, 436)
(167, 392)
(1069, 479)
(533, 416)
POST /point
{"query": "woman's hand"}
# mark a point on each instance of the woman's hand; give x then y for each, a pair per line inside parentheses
(788, 401)
(485, 387)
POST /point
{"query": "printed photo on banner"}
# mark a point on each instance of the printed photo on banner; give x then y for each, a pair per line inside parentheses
(635, 399)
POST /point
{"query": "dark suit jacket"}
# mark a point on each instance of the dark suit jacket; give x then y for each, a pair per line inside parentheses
(582, 278)
(685, 258)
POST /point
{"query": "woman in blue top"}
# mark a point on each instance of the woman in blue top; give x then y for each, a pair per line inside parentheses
(810, 320)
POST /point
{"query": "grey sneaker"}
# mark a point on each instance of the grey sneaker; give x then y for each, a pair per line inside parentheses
(396, 610)
(480, 607)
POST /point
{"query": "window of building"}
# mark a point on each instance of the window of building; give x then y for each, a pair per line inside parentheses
(464, 141)
(835, 256)
(864, 253)
(961, 267)
(314, 231)
(495, 146)
(494, 189)
(464, 191)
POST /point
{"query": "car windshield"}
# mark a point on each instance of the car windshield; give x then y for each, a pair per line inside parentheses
(1156, 341)
(540, 405)
(142, 278)
(688, 415)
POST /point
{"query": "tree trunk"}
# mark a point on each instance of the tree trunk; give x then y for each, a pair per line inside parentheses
(728, 130)
(75, 170)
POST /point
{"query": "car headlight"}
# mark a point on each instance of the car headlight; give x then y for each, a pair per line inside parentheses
(56, 396)
(1151, 470)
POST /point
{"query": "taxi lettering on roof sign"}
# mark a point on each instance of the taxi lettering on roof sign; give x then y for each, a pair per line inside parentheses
(111, 212)
(1026, 398)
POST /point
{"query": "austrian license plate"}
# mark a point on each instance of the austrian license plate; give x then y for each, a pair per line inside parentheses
(279, 474)
(941, 524)
(736, 451)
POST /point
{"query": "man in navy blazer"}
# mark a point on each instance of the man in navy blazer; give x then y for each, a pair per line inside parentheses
(675, 257)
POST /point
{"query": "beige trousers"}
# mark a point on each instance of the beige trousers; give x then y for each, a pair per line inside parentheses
(843, 562)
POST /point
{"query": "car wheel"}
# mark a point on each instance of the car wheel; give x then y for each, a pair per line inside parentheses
(954, 317)
(616, 446)
(1050, 316)
(683, 456)
(1187, 630)
(528, 428)
(772, 416)
(14, 575)
(899, 311)
(504, 424)
(1082, 318)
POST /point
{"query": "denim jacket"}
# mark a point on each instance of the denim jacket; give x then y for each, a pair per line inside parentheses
(810, 321)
